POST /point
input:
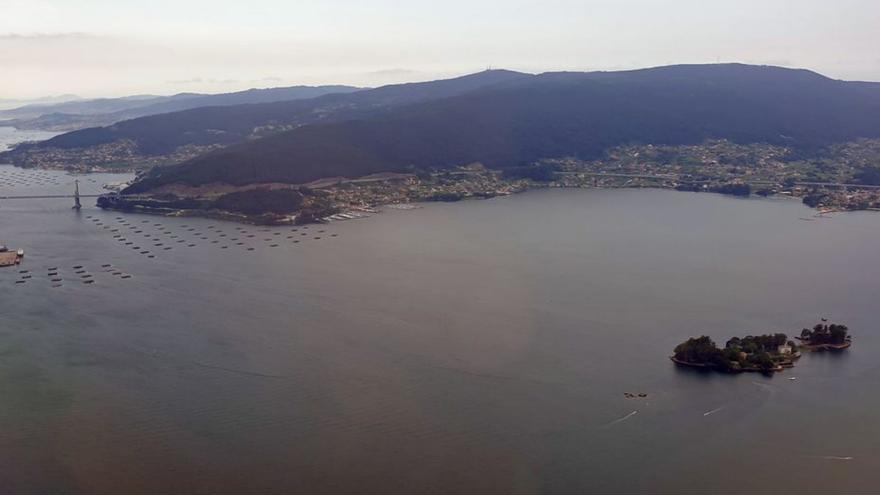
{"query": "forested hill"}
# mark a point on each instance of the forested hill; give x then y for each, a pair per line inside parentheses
(555, 115)
(107, 111)
(223, 125)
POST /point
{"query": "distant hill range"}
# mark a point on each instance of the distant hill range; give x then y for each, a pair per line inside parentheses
(82, 113)
(165, 133)
(498, 118)
(521, 119)
(6, 103)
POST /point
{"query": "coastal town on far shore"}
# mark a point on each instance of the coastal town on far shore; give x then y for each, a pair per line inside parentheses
(844, 177)
(830, 183)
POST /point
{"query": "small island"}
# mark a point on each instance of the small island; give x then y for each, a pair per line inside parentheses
(762, 353)
(825, 338)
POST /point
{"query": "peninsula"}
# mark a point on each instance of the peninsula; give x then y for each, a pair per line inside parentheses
(843, 179)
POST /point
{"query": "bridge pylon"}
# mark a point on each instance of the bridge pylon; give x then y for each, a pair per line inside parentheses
(76, 203)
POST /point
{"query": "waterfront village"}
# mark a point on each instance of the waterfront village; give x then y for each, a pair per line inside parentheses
(762, 353)
(843, 177)
(846, 179)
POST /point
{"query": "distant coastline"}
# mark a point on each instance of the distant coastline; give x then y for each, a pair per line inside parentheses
(839, 180)
(343, 196)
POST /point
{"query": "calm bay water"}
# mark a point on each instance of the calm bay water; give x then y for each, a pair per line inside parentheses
(10, 136)
(476, 347)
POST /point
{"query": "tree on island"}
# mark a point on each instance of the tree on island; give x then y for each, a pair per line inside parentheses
(701, 350)
(761, 360)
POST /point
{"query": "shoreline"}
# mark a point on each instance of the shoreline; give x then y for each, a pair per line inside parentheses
(350, 196)
(519, 187)
(824, 347)
(710, 367)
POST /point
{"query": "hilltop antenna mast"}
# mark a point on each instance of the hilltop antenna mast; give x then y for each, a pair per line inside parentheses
(76, 204)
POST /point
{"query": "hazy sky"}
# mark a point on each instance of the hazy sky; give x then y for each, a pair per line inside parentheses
(117, 47)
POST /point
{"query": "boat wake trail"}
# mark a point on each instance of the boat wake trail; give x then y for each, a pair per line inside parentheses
(764, 386)
(832, 457)
(236, 371)
(620, 420)
(713, 411)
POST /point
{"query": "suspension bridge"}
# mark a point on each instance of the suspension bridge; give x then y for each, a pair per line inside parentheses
(76, 196)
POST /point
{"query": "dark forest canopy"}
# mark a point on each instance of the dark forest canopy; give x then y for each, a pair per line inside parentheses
(260, 201)
(751, 353)
(522, 119)
(869, 176)
(821, 334)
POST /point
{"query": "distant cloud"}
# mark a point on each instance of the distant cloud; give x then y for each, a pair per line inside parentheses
(202, 80)
(195, 80)
(46, 36)
(392, 72)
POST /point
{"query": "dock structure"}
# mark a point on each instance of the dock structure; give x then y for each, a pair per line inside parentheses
(9, 259)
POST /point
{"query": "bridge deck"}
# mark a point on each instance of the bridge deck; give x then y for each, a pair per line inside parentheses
(53, 196)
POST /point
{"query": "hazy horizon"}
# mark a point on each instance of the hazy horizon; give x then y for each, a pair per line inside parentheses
(63, 97)
(96, 48)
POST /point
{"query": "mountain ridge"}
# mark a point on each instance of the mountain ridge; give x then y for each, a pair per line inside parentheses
(212, 125)
(554, 115)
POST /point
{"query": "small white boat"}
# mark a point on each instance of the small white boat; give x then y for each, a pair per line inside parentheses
(792, 378)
